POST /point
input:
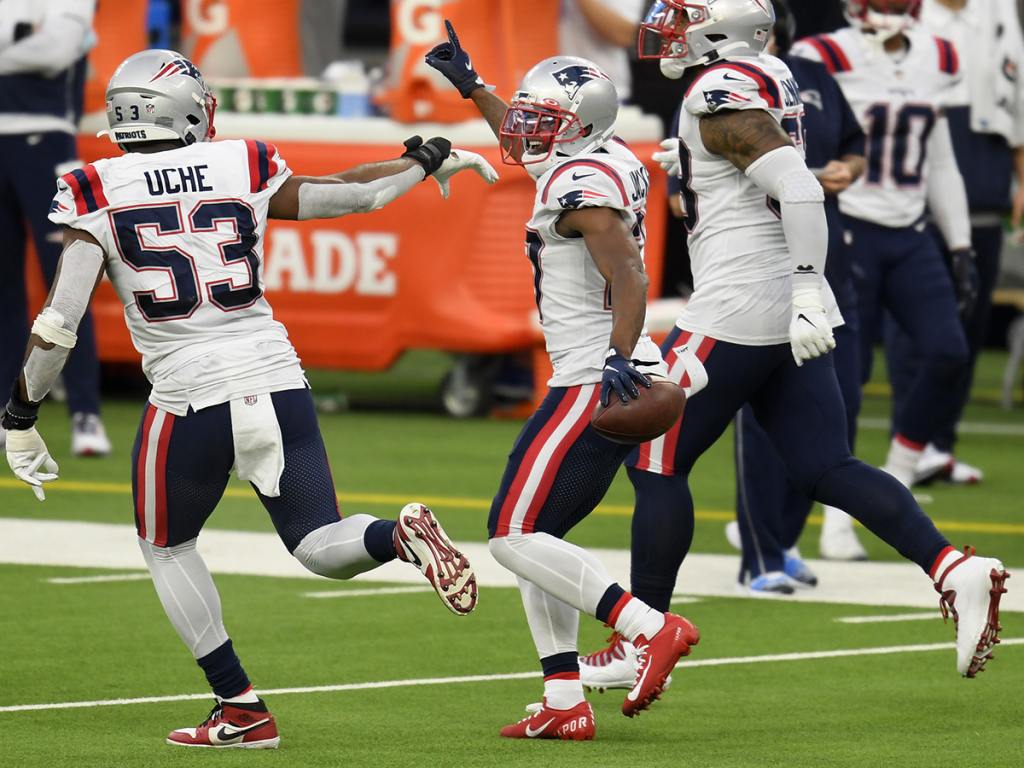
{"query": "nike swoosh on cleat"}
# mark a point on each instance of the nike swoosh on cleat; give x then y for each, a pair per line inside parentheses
(634, 693)
(532, 734)
(223, 735)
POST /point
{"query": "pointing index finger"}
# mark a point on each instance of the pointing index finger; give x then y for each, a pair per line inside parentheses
(452, 37)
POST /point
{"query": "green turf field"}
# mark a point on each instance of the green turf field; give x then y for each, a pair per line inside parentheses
(110, 640)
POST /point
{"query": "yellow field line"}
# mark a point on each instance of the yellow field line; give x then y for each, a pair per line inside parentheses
(462, 502)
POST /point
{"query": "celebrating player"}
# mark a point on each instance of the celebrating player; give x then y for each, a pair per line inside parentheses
(586, 241)
(761, 318)
(178, 225)
(897, 77)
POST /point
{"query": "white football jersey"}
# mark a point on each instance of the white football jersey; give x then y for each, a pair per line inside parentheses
(897, 99)
(573, 298)
(183, 235)
(738, 253)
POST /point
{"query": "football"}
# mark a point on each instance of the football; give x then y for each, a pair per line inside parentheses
(638, 421)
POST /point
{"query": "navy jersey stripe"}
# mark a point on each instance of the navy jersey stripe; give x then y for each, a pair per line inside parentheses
(768, 82)
(261, 152)
(86, 186)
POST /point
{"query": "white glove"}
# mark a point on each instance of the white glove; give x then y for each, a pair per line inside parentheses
(460, 160)
(28, 457)
(668, 158)
(810, 333)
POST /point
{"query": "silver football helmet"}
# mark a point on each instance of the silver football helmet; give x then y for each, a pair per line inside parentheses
(565, 106)
(158, 95)
(688, 33)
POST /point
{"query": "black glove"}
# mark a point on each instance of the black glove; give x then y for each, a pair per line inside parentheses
(621, 376)
(430, 155)
(966, 280)
(18, 414)
(451, 61)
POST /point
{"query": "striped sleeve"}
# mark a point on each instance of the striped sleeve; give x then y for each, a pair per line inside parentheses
(79, 193)
(826, 49)
(585, 183)
(949, 60)
(733, 85)
(266, 170)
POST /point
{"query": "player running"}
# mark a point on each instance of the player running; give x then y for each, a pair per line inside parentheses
(586, 241)
(898, 78)
(761, 318)
(178, 223)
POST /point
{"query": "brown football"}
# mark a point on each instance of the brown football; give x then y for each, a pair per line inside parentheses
(638, 421)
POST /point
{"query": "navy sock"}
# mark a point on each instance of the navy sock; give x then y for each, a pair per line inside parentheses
(662, 534)
(379, 540)
(561, 663)
(887, 509)
(224, 671)
(607, 603)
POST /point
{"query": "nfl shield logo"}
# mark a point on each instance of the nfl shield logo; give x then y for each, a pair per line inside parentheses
(250, 399)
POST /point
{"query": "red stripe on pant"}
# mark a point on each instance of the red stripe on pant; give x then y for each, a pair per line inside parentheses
(160, 480)
(140, 472)
(529, 459)
(540, 496)
(644, 459)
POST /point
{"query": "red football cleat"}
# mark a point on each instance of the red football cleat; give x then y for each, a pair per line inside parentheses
(656, 659)
(420, 540)
(576, 724)
(241, 726)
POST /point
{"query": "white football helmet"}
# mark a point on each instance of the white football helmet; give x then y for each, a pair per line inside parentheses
(565, 106)
(688, 33)
(882, 19)
(157, 95)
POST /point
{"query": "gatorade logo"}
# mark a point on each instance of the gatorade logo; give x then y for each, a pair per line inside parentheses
(125, 135)
(419, 21)
(207, 17)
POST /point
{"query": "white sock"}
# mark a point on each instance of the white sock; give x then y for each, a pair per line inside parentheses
(902, 459)
(248, 696)
(638, 618)
(563, 691)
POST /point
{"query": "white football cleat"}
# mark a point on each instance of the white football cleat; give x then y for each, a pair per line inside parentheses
(732, 535)
(970, 590)
(420, 540)
(611, 667)
(838, 540)
(965, 474)
(88, 437)
(941, 465)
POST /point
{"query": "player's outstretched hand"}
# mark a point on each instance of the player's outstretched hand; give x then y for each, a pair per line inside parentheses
(668, 158)
(454, 63)
(810, 333)
(621, 377)
(430, 154)
(966, 280)
(462, 160)
(30, 460)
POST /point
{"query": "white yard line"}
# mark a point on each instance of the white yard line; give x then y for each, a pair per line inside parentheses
(884, 619)
(964, 427)
(690, 664)
(367, 592)
(98, 579)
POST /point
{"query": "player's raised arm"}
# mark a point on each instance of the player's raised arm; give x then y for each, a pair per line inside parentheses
(754, 142)
(614, 250)
(53, 337)
(454, 63)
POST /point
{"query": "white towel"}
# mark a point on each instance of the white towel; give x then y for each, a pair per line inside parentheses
(259, 452)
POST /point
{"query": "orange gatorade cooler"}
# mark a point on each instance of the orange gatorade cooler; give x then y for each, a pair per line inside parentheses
(243, 38)
(504, 37)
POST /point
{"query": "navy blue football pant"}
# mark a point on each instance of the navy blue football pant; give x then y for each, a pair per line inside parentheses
(181, 464)
(904, 361)
(902, 272)
(28, 178)
(801, 410)
(771, 512)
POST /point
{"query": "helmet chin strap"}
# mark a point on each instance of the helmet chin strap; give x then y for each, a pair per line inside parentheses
(881, 27)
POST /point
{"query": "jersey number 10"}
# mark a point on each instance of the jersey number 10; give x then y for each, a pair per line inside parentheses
(129, 225)
(891, 139)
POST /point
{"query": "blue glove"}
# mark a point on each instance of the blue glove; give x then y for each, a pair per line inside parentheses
(966, 280)
(451, 61)
(620, 375)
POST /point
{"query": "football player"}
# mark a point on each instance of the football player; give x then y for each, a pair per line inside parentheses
(898, 78)
(761, 316)
(586, 242)
(177, 223)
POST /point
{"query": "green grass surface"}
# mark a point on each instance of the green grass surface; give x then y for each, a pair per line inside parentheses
(111, 640)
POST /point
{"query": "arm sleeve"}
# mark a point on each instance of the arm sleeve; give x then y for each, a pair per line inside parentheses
(947, 196)
(783, 174)
(328, 201)
(62, 38)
